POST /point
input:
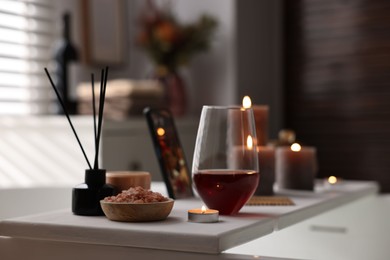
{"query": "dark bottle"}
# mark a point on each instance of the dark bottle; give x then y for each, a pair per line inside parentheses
(65, 55)
(86, 196)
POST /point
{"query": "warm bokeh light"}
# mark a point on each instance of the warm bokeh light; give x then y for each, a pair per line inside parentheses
(160, 131)
(203, 209)
(332, 179)
(246, 102)
(295, 147)
(249, 142)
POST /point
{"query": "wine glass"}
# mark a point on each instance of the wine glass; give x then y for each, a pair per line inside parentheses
(225, 167)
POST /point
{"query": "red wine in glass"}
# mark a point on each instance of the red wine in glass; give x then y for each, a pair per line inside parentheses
(225, 163)
(226, 190)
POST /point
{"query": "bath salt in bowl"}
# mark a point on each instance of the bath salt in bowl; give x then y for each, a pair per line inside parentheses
(137, 205)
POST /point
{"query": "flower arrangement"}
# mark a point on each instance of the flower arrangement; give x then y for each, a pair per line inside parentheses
(169, 43)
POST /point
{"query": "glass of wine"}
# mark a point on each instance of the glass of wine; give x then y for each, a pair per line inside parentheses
(225, 167)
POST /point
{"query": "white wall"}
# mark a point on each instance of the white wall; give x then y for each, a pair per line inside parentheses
(213, 74)
(42, 151)
(245, 57)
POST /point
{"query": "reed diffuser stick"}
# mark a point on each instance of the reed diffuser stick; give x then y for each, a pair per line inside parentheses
(103, 86)
(67, 116)
(94, 110)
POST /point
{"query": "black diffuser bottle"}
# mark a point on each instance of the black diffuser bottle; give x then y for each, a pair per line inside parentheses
(65, 55)
(86, 196)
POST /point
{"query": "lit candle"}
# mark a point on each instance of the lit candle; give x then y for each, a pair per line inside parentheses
(238, 124)
(246, 102)
(332, 180)
(240, 156)
(260, 113)
(203, 215)
(295, 167)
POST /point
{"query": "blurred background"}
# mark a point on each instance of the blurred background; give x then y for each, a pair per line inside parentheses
(321, 67)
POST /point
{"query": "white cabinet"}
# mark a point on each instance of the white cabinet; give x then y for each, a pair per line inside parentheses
(127, 145)
(359, 230)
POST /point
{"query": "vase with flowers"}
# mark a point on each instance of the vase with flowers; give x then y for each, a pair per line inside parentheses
(170, 45)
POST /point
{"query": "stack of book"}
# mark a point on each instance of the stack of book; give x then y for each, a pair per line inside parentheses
(124, 97)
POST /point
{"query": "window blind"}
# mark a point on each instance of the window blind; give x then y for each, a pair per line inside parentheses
(26, 40)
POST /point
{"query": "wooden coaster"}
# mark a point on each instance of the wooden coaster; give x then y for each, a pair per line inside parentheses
(270, 201)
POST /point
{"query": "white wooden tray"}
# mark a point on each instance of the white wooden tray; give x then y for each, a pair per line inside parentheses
(175, 233)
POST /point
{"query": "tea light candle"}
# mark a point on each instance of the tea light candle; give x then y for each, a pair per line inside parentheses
(332, 182)
(203, 215)
(296, 167)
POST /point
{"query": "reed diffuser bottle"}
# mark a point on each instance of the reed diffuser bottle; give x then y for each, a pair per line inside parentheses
(86, 196)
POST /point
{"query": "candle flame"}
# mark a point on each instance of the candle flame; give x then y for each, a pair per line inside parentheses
(203, 209)
(332, 179)
(295, 147)
(249, 142)
(246, 102)
(160, 131)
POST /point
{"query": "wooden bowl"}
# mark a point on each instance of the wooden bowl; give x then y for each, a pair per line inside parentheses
(137, 212)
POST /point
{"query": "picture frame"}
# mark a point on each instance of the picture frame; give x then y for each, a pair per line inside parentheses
(103, 32)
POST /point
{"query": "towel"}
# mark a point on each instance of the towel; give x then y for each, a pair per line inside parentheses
(123, 97)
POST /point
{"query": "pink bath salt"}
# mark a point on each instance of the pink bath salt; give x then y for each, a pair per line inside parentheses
(137, 195)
